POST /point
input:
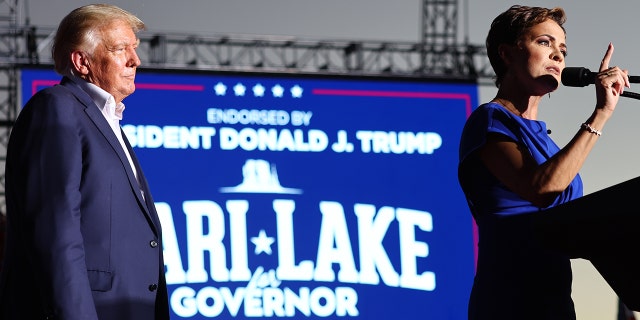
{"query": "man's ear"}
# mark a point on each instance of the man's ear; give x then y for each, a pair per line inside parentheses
(80, 62)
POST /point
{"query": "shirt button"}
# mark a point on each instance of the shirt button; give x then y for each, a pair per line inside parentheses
(153, 287)
(153, 243)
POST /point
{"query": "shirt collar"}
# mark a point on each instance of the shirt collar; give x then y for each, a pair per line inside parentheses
(102, 99)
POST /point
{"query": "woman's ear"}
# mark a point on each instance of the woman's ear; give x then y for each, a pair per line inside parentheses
(80, 62)
(504, 53)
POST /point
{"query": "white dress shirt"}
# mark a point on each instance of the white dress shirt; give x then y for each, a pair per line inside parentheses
(111, 112)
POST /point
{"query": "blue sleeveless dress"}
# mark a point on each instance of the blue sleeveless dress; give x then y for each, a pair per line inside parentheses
(515, 278)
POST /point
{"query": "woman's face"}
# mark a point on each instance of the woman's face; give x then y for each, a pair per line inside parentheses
(538, 59)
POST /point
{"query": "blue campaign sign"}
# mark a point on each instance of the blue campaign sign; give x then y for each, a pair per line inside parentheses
(299, 196)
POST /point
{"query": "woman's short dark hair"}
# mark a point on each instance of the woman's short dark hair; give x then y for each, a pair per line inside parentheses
(509, 26)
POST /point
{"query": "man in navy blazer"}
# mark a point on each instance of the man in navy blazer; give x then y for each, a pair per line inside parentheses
(83, 236)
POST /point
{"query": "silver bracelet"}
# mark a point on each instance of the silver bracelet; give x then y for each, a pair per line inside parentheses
(591, 129)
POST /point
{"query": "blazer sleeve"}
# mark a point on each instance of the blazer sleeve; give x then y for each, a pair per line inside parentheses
(52, 162)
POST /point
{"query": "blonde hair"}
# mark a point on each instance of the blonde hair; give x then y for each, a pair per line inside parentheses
(79, 30)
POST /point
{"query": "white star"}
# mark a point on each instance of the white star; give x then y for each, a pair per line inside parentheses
(258, 90)
(262, 243)
(296, 91)
(239, 89)
(220, 89)
(277, 91)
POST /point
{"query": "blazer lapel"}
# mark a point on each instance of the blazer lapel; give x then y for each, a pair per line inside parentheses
(144, 186)
(93, 112)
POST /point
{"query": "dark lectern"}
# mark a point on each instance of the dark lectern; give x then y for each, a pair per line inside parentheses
(603, 227)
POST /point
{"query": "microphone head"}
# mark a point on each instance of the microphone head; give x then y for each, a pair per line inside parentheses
(576, 77)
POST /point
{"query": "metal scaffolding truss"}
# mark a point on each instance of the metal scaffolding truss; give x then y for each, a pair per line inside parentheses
(283, 54)
(278, 54)
(438, 55)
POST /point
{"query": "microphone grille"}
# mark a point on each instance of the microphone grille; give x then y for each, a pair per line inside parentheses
(575, 77)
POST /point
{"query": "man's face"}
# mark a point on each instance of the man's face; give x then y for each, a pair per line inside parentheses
(113, 63)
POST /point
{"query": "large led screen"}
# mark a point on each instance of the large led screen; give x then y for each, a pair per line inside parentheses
(299, 196)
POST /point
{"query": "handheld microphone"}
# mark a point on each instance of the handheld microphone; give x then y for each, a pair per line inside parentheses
(582, 77)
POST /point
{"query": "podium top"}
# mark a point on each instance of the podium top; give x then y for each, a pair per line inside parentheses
(601, 227)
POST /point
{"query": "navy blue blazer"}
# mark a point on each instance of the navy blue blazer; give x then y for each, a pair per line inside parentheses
(82, 242)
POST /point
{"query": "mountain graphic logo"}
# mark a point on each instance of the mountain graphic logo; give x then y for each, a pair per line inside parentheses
(259, 176)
